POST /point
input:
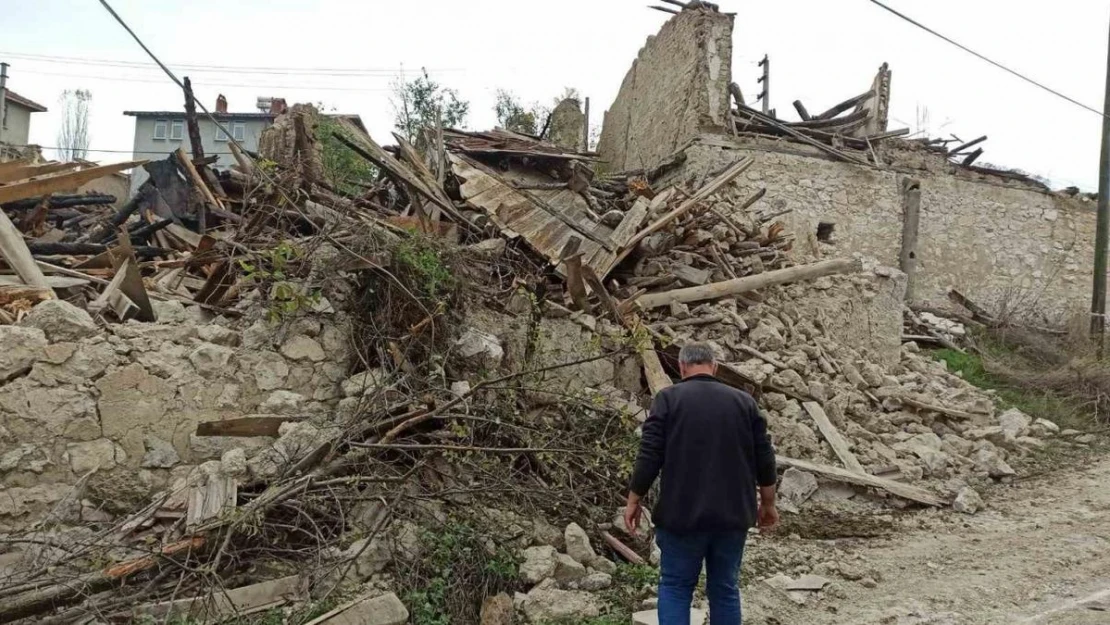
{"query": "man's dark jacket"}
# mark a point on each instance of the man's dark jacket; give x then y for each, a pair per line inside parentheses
(711, 444)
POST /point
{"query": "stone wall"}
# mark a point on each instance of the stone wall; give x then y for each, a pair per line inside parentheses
(1009, 245)
(125, 399)
(677, 87)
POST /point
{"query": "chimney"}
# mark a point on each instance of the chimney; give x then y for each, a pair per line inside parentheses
(277, 106)
(221, 104)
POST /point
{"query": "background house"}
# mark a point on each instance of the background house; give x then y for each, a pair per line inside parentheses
(15, 117)
(159, 133)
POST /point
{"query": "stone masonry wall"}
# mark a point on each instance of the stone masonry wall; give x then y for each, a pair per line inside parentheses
(125, 400)
(677, 87)
(1006, 245)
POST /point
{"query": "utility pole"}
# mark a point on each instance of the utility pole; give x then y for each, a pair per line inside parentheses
(765, 95)
(3, 98)
(1102, 228)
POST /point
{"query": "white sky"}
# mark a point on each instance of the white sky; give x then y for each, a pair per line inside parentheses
(821, 51)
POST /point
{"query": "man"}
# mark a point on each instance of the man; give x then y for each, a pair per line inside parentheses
(711, 444)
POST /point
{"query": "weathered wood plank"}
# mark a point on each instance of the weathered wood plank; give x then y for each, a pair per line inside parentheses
(905, 491)
(832, 435)
(34, 187)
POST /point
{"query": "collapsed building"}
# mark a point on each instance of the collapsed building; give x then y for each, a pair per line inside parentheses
(295, 391)
(843, 178)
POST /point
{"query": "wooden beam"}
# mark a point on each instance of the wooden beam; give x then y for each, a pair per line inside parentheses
(624, 550)
(911, 218)
(750, 283)
(781, 127)
(30, 171)
(244, 427)
(944, 410)
(34, 187)
(18, 256)
(832, 435)
(905, 491)
(664, 9)
(845, 105)
(961, 148)
(802, 112)
(707, 190)
(972, 157)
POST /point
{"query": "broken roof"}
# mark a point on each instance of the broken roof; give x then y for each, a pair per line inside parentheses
(505, 142)
(24, 102)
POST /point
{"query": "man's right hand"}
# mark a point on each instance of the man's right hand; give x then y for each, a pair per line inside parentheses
(768, 517)
(632, 513)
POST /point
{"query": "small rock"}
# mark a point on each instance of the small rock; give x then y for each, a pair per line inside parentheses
(767, 337)
(498, 609)
(867, 582)
(301, 347)
(1044, 427)
(567, 570)
(990, 460)
(365, 383)
(539, 564)
(546, 604)
(604, 565)
(596, 581)
(233, 462)
(819, 391)
(99, 454)
(282, 403)
(967, 501)
(544, 533)
(1014, 423)
(159, 454)
(480, 350)
(211, 360)
(460, 388)
(61, 321)
(170, 311)
(490, 248)
(384, 610)
(218, 335)
(578, 544)
(796, 487)
(1085, 439)
(20, 348)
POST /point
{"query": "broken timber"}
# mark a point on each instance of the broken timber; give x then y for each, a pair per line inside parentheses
(904, 491)
(750, 283)
(44, 185)
(832, 435)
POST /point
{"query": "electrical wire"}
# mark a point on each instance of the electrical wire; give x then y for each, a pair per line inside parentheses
(320, 71)
(205, 83)
(162, 152)
(994, 63)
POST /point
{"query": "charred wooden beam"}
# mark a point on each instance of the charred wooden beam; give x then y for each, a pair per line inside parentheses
(802, 112)
(845, 105)
(63, 201)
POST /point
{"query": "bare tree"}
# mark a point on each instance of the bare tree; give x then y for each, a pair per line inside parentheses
(73, 136)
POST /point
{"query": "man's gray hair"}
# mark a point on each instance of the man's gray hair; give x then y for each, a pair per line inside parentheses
(696, 354)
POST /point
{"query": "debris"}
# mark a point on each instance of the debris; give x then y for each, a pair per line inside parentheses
(795, 488)
(385, 609)
(895, 488)
(967, 501)
(578, 544)
(539, 564)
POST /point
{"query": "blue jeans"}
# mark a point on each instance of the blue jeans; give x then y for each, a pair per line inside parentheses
(683, 554)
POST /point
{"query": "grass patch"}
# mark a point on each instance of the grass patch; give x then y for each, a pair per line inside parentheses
(1019, 382)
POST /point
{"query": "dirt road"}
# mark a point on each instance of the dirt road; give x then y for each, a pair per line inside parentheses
(1038, 555)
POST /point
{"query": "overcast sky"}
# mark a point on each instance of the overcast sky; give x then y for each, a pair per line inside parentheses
(822, 52)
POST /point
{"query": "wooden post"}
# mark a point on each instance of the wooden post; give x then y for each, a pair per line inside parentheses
(911, 216)
(586, 126)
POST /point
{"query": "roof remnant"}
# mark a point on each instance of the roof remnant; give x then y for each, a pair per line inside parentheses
(24, 102)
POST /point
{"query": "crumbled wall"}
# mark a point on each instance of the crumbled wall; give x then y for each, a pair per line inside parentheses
(566, 125)
(677, 86)
(1006, 245)
(126, 399)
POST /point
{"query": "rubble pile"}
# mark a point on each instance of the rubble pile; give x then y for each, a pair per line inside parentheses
(397, 396)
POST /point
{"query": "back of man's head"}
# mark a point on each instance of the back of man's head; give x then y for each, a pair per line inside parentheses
(696, 359)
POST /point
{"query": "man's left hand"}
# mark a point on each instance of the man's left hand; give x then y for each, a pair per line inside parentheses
(768, 517)
(632, 513)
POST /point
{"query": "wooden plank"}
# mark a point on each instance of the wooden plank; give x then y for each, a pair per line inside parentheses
(624, 550)
(911, 219)
(244, 427)
(707, 190)
(206, 502)
(9, 165)
(226, 604)
(630, 224)
(905, 491)
(412, 157)
(18, 256)
(34, 187)
(832, 435)
(944, 410)
(845, 105)
(30, 171)
(750, 283)
(598, 287)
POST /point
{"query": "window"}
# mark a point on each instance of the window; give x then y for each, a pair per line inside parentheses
(220, 134)
(177, 130)
(825, 231)
(239, 131)
(160, 128)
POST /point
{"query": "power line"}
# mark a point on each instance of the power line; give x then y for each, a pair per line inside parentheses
(995, 63)
(336, 71)
(165, 152)
(204, 83)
